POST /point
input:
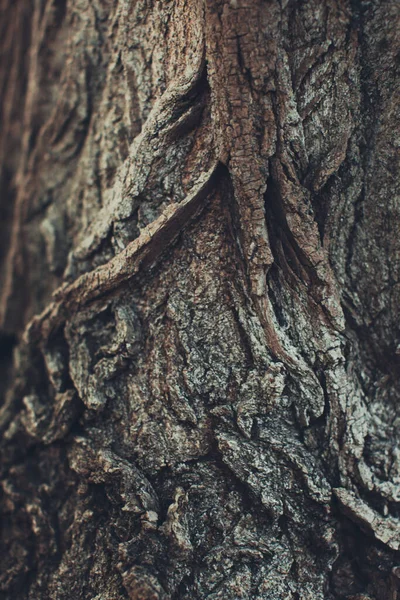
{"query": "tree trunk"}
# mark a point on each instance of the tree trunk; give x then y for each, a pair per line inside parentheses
(200, 292)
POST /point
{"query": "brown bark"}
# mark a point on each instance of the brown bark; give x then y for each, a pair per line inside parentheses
(199, 299)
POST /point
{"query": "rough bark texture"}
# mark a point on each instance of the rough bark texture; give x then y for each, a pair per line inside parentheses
(200, 292)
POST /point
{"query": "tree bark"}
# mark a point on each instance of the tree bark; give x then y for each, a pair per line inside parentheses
(200, 291)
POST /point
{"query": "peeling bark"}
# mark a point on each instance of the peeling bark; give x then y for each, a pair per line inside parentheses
(199, 303)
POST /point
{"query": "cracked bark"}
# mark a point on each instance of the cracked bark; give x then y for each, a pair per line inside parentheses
(199, 268)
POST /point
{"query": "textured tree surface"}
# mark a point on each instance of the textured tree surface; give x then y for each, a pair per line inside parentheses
(200, 292)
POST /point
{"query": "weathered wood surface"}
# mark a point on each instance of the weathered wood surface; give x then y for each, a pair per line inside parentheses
(200, 292)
